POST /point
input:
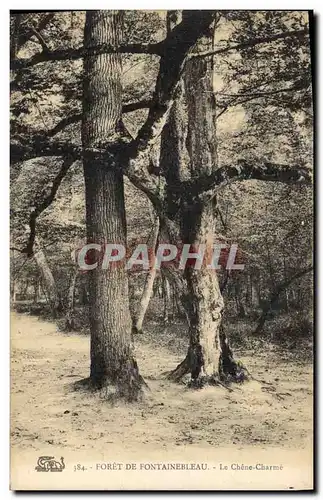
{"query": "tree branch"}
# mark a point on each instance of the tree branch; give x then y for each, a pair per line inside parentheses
(247, 97)
(77, 117)
(251, 43)
(205, 188)
(44, 203)
(175, 49)
(73, 54)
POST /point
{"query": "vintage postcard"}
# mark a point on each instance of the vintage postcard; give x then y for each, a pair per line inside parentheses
(161, 250)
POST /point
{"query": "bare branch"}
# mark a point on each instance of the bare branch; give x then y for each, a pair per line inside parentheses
(252, 95)
(133, 106)
(247, 97)
(44, 203)
(15, 249)
(39, 146)
(64, 123)
(28, 33)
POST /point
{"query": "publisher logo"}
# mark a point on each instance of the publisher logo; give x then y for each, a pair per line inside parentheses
(49, 464)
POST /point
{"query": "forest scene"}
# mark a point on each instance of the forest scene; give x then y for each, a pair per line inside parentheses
(165, 129)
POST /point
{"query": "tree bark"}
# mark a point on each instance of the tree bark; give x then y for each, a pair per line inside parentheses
(113, 365)
(148, 286)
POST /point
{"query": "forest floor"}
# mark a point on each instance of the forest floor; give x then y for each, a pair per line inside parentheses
(48, 416)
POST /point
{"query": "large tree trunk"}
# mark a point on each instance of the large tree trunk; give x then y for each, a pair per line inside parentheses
(209, 356)
(113, 365)
(149, 284)
(70, 303)
(48, 282)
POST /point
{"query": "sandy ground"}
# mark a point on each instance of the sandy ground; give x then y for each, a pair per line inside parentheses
(50, 418)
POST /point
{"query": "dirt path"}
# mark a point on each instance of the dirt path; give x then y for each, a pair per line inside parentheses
(48, 416)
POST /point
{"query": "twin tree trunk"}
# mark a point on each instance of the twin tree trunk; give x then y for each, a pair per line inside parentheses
(70, 302)
(113, 365)
(189, 152)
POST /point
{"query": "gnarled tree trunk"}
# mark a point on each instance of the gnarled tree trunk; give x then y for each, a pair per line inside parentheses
(113, 365)
(209, 357)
